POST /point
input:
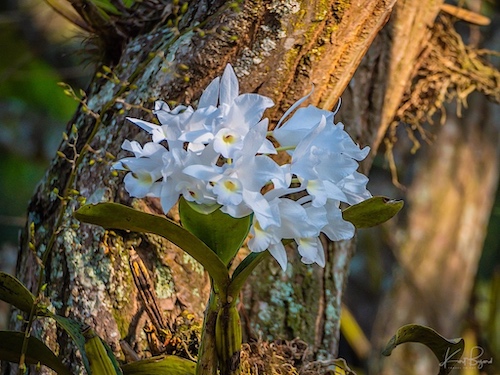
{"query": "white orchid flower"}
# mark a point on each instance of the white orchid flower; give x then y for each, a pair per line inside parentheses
(235, 115)
(218, 155)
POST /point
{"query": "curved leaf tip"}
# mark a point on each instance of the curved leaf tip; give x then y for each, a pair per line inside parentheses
(447, 351)
(372, 211)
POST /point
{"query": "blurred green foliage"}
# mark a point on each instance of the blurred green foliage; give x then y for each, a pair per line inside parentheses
(27, 78)
(19, 177)
(33, 114)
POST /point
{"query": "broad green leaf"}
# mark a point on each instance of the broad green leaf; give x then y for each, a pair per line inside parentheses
(244, 269)
(112, 357)
(165, 364)
(118, 216)
(15, 293)
(11, 343)
(102, 360)
(221, 232)
(446, 351)
(74, 330)
(372, 212)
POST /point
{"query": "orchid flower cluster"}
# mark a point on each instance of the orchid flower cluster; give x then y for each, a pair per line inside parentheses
(219, 156)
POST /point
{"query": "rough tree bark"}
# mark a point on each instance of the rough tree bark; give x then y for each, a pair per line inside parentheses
(277, 49)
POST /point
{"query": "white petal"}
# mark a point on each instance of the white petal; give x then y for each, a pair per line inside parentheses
(300, 125)
(228, 86)
(148, 126)
(308, 141)
(354, 187)
(250, 107)
(311, 250)
(238, 211)
(197, 136)
(317, 190)
(228, 191)
(320, 255)
(162, 111)
(151, 148)
(168, 197)
(267, 148)
(138, 184)
(295, 222)
(133, 146)
(256, 172)
(259, 239)
(317, 216)
(210, 95)
(160, 105)
(119, 166)
(334, 192)
(335, 167)
(265, 214)
(147, 165)
(254, 138)
(337, 228)
(295, 105)
(203, 172)
(279, 253)
(195, 190)
(159, 134)
(228, 142)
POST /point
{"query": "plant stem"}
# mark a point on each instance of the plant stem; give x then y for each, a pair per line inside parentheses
(207, 355)
(228, 334)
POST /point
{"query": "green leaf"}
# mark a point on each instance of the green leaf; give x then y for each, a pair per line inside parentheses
(15, 293)
(11, 343)
(372, 212)
(106, 6)
(129, 3)
(74, 330)
(118, 216)
(101, 358)
(446, 351)
(165, 364)
(244, 269)
(221, 232)
(112, 357)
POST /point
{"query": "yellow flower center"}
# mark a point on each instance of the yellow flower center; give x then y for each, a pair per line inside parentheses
(230, 185)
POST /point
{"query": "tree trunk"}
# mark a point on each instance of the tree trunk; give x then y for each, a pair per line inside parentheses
(277, 49)
(449, 204)
(306, 302)
(450, 199)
